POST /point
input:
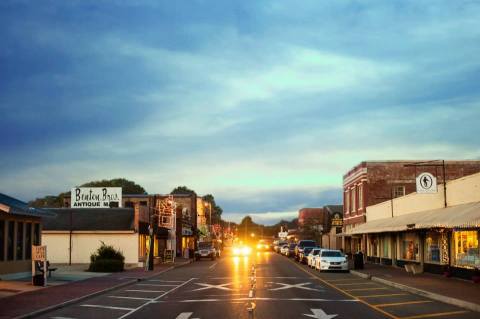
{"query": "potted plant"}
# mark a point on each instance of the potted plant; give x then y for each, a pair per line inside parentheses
(447, 271)
(476, 275)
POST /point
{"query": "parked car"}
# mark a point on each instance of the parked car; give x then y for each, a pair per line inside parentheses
(291, 249)
(302, 244)
(303, 255)
(263, 245)
(278, 245)
(284, 250)
(331, 260)
(206, 249)
(314, 253)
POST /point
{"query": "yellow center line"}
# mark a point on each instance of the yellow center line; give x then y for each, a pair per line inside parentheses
(384, 295)
(389, 315)
(364, 289)
(403, 303)
(438, 314)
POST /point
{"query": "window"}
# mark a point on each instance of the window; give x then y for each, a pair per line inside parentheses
(2, 239)
(28, 241)
(36, 235)
(360, 196)
(409, 246)
(398, 191)
(10, 239)
(432, 247)
(347, 202)
(466, 249)
(354, 204)
(19, 241)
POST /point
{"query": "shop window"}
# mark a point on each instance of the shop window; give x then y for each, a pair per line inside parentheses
(36, 234)
(398, 191)
(19, 245)
(432, 247)
(409, 246)
(466, 249)
(386, 247)
(374, 246)
(10, 239)
(142, 245)
(2, 240)
(28, 241)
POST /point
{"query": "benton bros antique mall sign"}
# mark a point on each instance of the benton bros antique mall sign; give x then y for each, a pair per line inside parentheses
(96, 197)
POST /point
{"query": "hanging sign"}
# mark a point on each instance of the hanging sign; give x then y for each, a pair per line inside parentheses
(426, 183)
(96, 197)
(337, 221)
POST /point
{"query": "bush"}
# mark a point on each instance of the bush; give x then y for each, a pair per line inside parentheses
(106, 259)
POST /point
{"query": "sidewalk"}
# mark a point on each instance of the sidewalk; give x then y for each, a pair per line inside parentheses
(52, 297)
(453, 291)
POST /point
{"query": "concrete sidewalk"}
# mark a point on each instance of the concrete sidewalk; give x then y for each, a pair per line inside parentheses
(458, 292)
(38, 301)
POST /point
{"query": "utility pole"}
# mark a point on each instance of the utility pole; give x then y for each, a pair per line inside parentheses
(150, 231)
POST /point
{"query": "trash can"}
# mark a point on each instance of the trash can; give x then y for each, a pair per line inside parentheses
(358, 260)
(38, 280)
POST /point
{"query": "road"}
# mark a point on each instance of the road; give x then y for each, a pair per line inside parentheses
(275, 286)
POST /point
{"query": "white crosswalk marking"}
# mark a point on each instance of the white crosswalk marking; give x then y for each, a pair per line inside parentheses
(209, 286)
(289, 286)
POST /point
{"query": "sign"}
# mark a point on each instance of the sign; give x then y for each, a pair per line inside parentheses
(187, 231)
(337, 220)
(96, 197)
(166, 210)
(282, 234)
(39, 253)
(168, 256)
(426, 183)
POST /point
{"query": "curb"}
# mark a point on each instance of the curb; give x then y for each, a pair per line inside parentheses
(448, 300)
(96, 293)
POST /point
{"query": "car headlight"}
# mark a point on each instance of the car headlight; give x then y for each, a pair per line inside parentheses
(259, 246)
(236, 251)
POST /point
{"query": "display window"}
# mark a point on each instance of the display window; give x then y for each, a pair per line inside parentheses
(386, 247)
(374, 245)
(409, 246)
(433, 244)
(466, 250)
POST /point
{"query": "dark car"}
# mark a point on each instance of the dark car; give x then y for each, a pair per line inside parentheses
(291, 249)
(206, 249)
(302, 244)
(303, 255)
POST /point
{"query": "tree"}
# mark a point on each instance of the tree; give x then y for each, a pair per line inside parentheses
(182, 190)
(216, 210)
(128, 187)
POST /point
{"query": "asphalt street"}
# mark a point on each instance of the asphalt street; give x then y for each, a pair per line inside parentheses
(263, 285)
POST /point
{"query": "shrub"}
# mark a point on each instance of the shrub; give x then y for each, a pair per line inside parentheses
(106, 259)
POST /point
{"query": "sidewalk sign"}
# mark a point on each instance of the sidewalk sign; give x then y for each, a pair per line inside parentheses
(39, 253)
(168, 256)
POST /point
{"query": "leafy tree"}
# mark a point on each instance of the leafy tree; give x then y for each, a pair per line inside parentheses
(182, 190)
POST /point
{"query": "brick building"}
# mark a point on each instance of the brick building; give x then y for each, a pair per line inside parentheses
(373, 182)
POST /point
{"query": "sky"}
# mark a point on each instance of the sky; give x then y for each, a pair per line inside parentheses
(264, 104)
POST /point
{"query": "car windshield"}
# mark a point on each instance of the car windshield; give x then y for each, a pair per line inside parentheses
(307, 243)
(205, 245)
(330, 253)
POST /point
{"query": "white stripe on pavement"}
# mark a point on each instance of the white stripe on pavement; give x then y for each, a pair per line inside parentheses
(160, 280)
(133, 298)
(107, 307)
(156, 285)
(265, 299)
(138, 290)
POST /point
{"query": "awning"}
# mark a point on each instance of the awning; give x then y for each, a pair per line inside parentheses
(459, 216)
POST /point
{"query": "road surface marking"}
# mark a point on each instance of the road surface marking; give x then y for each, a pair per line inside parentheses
(213, 265)
(209, 286)
(382, 295)
(138, 290)
(340, 280)
(403, 303)
(288, 286)
(223, 295)
(133, 298)
(319, 314)
(161, 280)
(262, 299)
(157, 298)
(61, 318)
(107, 307)
(438, 314)
(156, 285)
(389, 315)
(185, 315)
(224, 278)
(365, 289)
(356, 283)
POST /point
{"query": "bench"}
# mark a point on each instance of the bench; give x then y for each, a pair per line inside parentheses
(39, 267)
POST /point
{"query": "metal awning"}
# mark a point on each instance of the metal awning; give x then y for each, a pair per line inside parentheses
(459, 216)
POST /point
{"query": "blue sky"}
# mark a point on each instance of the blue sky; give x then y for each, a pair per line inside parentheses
(265, 104)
